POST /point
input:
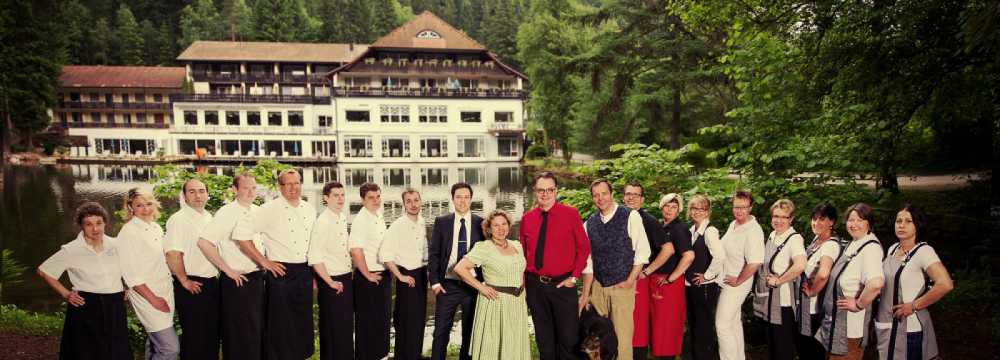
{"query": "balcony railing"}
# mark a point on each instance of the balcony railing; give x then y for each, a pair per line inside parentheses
(436, 92)
(259, 77)
(244, 98)
(116, 105)
(245, 130)
(506, 128)
(217, 77)
(426, 68)
(293, 78)
(102, 125)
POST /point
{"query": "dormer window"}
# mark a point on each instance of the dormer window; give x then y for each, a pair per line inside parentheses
(428, 34)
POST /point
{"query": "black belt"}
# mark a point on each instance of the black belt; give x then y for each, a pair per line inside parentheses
(516, 291)
(550, 279)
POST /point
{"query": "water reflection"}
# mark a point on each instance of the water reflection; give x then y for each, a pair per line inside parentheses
(38, 202)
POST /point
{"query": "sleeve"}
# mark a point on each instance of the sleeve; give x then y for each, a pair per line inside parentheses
(872, 265)
(477, 255)
(681, 238)
(797, 246)
(127, 255)
(317, 241)
(387, 251)
(755, 246)
(640, 240)
(174, 238)
(589, 269)
(56, 264)
(582, 243)
(927, 257)
(830, 249)
(215, 231)
(717, 251)
(434, 254)
(245, 228)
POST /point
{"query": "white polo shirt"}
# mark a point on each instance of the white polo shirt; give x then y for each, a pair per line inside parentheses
(89, 270)
(367, 233)
(285, 229)
(405, 243)
(328, 243)
(830, 249)
(744, 244)
(183, 230)
(865, 267)
(783, 260)
(220, 233)
(140, 247)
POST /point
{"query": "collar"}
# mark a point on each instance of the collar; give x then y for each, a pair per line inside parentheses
(699, 228)
(737, 226)
(614, 210)
(81, 243)
(336, 215)
(301, 203)
(467, 217)
(781, 238)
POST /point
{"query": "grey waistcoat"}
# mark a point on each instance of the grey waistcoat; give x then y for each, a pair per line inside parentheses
(892, 340)
(767, 301)
(833, 332)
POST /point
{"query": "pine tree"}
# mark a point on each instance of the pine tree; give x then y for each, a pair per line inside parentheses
(200, 21)
(150, 38)
(469, 17)
(385, 17)
(130, 43)
(498, 32)
(165, 53)
(275, 20)
(102, 40)
(358, 27)
(75, 18)
(237, 17)
(334, 20)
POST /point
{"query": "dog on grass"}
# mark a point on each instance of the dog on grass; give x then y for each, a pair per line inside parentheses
(598, 334)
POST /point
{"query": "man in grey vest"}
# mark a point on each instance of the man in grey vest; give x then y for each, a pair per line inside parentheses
(618, 250)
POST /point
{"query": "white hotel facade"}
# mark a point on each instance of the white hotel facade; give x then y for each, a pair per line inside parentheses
(425, 92)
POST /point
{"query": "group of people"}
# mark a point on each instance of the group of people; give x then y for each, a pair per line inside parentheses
(246, 277)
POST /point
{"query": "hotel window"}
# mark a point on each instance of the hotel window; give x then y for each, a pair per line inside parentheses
(468, 83)
(272, 148)
(74, 97)
(295, 118)
(434, 176)
(190, 118)
(62, 118)
(273, 118)
(507, 146)
(95, 117)
(292, 148)
(323, 175)
(358, 116)
(325, 121)
(77, 117)
(253, 118)
(110, 117)
(433, 113)
(140, 98)
(127, 118)
(505, 84)
(157, 98)
(472, 176)
(124, 98)
(472, 116)
(356, 177)
(211, 117)
(434, 147)
(140, 118)
(504, 116)
(325, 148)
(231, 147)
(470, 147)
(109, 99)
(395, 147)
(95, 97)
(188, 147)
(428, 83)
(293, 90)
(393, 81)
(395, 113)
(232, 117)
(396, 177)
(357, 81)
(358, 147)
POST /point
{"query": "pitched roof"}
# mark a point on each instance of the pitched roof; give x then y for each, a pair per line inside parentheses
(447, 37)
(271, 51)
(122, 76)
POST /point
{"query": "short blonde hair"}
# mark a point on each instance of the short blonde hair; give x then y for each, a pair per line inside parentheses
(135, 193)
(784, 204)
(701, 200)
(672, 197)
(488, 222)
(286, 172)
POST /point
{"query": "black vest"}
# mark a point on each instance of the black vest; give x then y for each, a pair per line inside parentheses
(611, 247)
(702, 257)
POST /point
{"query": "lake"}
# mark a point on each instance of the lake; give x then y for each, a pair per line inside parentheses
(39, 201)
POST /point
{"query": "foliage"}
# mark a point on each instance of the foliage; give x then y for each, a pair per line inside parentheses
(537, 151)
(12, 269)
(129, 44)
(200, 21)
(24, 322)
(169, 180)
(237, 18)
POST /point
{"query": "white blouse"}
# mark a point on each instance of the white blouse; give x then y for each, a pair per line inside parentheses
(783, 260)
(830, 249)
(328, 244)
(220, 233)
(405, 243)
(367, 233)
(865, 267)
(140, 245)
(912, 280)
(285, 229)
(183, 229)
(89, 270)
(744, 245)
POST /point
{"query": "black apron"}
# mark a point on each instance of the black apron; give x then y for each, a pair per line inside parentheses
(97, 330)
(891, 331)
(764, 306)
(833, 332)
(804, 315)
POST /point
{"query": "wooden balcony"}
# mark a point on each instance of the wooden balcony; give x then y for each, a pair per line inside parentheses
(506, 128)
(436, 92)
(253, 99)
(102, 105)
(104, 125)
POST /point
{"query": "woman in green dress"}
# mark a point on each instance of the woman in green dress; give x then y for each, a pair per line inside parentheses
(500, 328)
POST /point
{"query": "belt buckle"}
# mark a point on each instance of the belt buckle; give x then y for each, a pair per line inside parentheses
(545, 279)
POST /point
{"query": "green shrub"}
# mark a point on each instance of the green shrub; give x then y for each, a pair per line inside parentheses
(24, 322)
(537, 151)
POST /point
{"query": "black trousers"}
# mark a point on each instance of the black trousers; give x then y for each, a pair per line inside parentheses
(701, 303)
(242, 317)
(807, 346)
(457, 295)
(336, 319)
(557, 323)
(288, 331)
(410, 314)
(781, 338)
(371, 316)
(96, 330)
(198, 315)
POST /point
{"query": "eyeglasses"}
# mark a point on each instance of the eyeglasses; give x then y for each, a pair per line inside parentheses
(545, 191)
(780, 217)
(698, 208)
(741, 208)
(632, 194)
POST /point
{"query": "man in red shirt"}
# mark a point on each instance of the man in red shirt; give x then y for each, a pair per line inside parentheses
(556, 249)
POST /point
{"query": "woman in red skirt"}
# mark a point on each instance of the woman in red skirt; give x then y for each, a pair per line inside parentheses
(666, 282)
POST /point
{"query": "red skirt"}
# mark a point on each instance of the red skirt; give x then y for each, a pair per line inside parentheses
(668, 308)
(641, 315)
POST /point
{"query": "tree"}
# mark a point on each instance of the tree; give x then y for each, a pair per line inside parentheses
(200, 21)
(151, 40)
(334, 21)
(103, 40)
(283, 20)
(77, 29)
(237, 17)
(357, 27)
(498, 29)
(165, 53)
(385, 17)
(129, 42)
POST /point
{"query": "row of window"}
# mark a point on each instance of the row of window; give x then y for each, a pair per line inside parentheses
(444, 82)
(253, 118)
(389, 114)
(110, 97)
(354, 147)
(110, 118)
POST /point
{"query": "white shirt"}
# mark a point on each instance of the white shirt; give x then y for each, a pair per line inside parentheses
(405, 243)
(89, 270)
(866, 266)
(636, 233)
(453, 258)
(783, 260)
(829, 249)
(744, 244)
(715, 248)
(220, 233)
(328, 244)
(367, 233)
(912, 280)
(183, 230)
(140, 247)
(284, 229)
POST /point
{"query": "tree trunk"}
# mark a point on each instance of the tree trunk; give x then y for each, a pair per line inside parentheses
(566, 153)
(5, 126)
(887, 180)
(675, 120)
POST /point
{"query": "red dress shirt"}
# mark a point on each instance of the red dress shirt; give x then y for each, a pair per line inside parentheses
(566, 244)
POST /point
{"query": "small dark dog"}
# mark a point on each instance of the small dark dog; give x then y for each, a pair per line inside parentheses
(598, 334)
